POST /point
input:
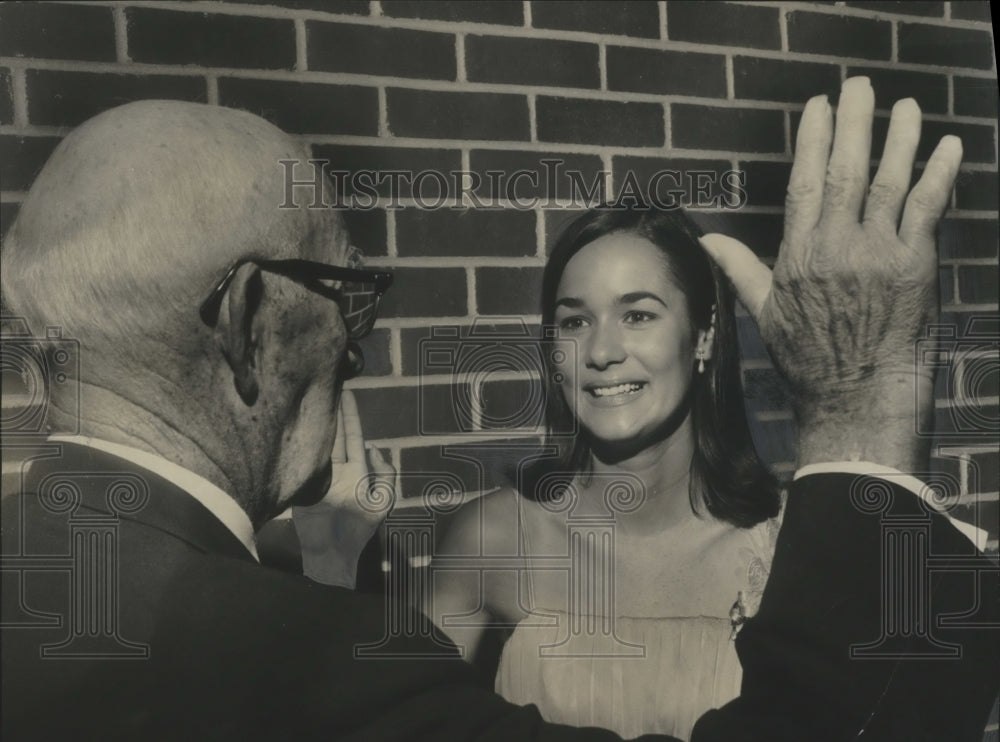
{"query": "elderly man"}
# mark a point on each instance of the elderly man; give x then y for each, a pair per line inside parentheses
(212, 359)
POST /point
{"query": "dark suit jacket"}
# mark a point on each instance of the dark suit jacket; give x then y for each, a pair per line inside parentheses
(237, 651)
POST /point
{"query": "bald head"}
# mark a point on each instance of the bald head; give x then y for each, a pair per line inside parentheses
(141, 208)
(134, 220)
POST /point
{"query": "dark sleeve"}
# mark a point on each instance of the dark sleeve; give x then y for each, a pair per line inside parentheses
(879, 620)
(331, 670)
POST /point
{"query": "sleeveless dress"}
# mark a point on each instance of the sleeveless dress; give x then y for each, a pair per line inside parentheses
(638, 675)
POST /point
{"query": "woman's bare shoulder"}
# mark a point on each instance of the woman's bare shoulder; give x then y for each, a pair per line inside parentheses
(489, 524)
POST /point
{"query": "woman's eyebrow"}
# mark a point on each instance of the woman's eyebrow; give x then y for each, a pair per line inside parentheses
(633, 297)
(570, 302)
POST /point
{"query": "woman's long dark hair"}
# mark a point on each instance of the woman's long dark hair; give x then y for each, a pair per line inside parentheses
(727, 477)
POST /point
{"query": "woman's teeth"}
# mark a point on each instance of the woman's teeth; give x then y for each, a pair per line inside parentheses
(613, 391)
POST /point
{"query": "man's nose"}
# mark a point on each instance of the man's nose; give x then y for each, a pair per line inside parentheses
(605, 347)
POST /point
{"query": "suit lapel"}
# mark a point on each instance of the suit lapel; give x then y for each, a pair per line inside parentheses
(104, 483)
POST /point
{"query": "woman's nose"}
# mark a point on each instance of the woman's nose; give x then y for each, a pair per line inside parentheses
(604, 347)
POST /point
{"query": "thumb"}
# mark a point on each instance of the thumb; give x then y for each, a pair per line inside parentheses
(750, 277)
(379, 467)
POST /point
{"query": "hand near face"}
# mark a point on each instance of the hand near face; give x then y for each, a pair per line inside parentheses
(334, 531)
(855, 282)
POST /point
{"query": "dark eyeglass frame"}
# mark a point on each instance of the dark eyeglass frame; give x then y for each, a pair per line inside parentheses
(308, 273)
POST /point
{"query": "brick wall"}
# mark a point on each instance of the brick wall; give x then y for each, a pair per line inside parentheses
(608, 89)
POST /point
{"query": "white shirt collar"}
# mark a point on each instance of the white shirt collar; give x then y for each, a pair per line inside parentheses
(218, 502)
(921, 489)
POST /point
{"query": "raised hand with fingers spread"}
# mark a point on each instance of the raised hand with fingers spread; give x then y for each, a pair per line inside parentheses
(855, 282)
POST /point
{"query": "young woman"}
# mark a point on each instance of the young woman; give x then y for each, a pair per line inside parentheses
(627, 626)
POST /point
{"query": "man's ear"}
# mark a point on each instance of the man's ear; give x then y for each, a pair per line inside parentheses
(235, 329)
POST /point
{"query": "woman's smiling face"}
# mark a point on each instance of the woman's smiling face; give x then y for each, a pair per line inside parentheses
(635, 344)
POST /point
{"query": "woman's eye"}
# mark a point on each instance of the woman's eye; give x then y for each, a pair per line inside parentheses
(635, 317)
(571, 323)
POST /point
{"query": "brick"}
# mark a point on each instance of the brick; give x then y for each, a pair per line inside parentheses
(977, 190)
(762, 233)
(984, 472)
(305, 108)
(780, 80)
(722, 23)
(375, 348)
(512, 404)
(367, 228)
(582, 121)
(977, 140)
(766, 182)
(8, 213)
(666, 72)
(982, 375)
(51, 31)
(973, 324)
(891, 85)
(436, 114)
(971, 10)
(417, 343)
(477, 465)
(821, 33)
(978, 284)
(621, 17)
(426, 292)
(944, 46)
(968, 238)
(501, 59)
(430, 467)
(484, 11)
(909, 7)
(948, 468)
(672, 191)
(380, 160)
(975, 96)
(369, 50)
(946, 283)
(57, 98)
(505, 291)
(556, 222)
(214, 40)
(343, 7)
(473, 232)
(21, 158)
(397, 412)
(6, 97)
(540, 181)
(736, 129)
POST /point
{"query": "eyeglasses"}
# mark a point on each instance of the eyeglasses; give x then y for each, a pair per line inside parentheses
(356, 291)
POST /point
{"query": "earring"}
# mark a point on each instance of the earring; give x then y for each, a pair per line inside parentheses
(710, 335)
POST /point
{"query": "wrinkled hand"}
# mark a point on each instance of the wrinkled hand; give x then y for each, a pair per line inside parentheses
(855, 282)
(333, 532)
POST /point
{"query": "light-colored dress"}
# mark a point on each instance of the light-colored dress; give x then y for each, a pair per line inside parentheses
(633, 675)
